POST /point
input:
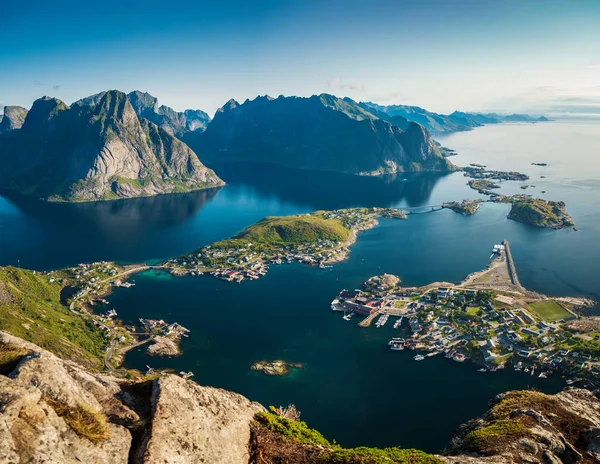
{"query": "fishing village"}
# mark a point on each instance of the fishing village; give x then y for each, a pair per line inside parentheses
(84, 290)
(489, 319)
(317, 239)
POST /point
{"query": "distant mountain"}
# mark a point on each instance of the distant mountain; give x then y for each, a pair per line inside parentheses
(433, 122)
(146, 106)
(13, 118)
(473, 119)
(321, 132)
(103, 151)
(440, 123)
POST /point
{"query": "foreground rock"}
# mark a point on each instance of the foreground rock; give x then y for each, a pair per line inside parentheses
(528, 426)
(163, 346)
(55, 411)
(193, 424)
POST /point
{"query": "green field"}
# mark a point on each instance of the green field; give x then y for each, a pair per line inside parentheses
(549, 310)
(275, 231)
(30, 308)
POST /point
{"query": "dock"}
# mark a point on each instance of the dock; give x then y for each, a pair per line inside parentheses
(512, 270)
(366, 322)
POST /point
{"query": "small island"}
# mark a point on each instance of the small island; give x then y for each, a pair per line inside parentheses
(541, 213)
(465, 207)
(277, 367)
(483, 186)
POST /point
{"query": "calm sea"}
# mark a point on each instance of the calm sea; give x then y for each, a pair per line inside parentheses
(352, 387)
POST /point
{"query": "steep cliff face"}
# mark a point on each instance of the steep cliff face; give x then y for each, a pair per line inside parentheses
(96, 152)
(13, 118)
(322, 132)
(145, 105)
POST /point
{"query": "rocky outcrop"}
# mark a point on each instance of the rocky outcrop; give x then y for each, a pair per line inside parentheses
(13, 118)
(193, 424)
(104, 151)
(322, 132)
(163, 346)
(528, 426)
(55, 411)
(39, 401)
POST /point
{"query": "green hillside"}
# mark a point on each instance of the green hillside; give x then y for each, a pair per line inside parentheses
(30, 308)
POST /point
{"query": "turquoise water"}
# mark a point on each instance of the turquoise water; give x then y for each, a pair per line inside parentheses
(352, 388)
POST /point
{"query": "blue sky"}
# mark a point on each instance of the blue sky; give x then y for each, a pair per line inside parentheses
(537, 56)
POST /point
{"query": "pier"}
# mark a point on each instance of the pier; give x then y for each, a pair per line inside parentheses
(366, 322)
(512, 270)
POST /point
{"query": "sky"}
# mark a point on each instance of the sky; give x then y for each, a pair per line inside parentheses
(541, 57)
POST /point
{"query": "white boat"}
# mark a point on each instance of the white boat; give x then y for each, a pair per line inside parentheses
(570, 382)
(483, 369)
(419, 357)
(526, 369)
(543, 375)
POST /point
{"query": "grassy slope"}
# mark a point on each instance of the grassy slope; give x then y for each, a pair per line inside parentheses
(290, 230)
(549, 310)
(30, 308)
(292, 435)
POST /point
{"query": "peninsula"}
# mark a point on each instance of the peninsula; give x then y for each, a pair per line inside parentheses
(317, 239)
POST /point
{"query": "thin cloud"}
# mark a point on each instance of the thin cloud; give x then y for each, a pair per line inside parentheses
(337, 83)
(38, 83)
(56, 87)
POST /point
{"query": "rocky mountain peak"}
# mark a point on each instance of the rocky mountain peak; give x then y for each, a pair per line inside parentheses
(13, 118)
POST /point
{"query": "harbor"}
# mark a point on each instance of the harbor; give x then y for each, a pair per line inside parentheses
(488, 319)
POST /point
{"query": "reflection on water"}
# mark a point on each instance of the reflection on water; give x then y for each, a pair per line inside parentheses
(44, 235)
(326, 190)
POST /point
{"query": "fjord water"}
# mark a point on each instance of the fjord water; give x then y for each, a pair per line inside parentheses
(352, 388)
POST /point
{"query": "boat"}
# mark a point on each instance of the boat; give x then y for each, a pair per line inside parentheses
(419, 357)
(483, 369)
(348, 316)
(398, 323)
(570, 382)
(519, 366)
(532, 370)
(543, 375)
(526, 369)
(186, 375)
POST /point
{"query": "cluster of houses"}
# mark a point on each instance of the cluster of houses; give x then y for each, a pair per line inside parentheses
(490, 329)
(160, 327)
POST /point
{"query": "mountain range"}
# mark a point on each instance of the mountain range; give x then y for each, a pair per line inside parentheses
(94, 152)
(440, 123)
(113, 145)
(146, 106)
(322, 132)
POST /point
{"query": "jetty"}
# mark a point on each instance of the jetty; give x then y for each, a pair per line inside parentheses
(512, 270)
(366, 322)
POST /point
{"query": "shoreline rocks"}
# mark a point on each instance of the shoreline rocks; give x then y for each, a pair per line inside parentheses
(163, 346)
(277, 367)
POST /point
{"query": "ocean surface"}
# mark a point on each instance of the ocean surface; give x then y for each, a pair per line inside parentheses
(352, 387)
